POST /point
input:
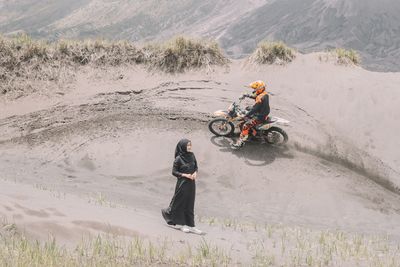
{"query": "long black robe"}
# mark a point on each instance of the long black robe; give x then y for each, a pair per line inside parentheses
(181, 208)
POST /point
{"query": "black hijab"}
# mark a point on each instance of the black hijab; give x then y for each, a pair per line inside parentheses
(181, 150)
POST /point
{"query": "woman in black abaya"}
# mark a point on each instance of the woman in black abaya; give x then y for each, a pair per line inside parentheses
(180, 213)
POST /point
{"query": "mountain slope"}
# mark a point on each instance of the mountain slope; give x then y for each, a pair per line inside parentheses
(371, 27)
(30, 16)
(123, 19)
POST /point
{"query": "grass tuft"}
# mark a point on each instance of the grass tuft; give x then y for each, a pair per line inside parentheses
(181, 54)
(272, 53)
(347, 57)
(341, 56)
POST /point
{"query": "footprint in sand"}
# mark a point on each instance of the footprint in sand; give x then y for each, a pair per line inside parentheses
(87, 163)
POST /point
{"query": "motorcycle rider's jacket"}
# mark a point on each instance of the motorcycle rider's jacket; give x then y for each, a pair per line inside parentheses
(261, 109)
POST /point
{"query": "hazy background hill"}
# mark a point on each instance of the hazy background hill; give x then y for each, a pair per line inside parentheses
(369, 26)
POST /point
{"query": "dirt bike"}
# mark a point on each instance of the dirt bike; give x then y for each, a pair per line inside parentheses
(229, 120)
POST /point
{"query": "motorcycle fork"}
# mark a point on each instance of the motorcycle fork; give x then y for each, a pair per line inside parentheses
(240, 125)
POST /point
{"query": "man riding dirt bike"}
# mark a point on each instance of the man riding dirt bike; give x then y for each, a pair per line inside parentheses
(257, 115)
(263, 128)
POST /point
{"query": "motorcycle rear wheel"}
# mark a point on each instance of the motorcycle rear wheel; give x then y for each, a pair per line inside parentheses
(275, 136)
(221, 127)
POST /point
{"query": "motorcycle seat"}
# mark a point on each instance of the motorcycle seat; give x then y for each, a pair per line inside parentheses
(264, 125)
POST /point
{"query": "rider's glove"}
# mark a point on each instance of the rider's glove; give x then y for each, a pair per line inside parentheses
(244, 96)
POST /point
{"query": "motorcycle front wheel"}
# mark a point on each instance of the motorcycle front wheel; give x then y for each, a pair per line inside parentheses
(221, 127)
(275, 136)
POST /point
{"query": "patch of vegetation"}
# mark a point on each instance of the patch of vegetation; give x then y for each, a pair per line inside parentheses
(181, 54)
(17, 250)
(279, 245)
(341, 56)
(274, 245)
(272, 53)
(25, 62)
(99, 52)
(346, 57)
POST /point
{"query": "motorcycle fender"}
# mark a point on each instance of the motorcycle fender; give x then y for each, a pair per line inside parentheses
(281, 121)
(265, 127)
(220, 113)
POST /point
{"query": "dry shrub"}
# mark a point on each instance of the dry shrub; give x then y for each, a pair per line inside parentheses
(181, 54)
(24, 61)
(100, 52)
(346, 57)
(341, 56)
(272, 53)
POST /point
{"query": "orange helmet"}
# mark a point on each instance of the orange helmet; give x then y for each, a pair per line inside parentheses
(258, 87)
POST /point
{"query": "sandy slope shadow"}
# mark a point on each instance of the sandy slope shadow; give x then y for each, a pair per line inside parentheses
(253, 153)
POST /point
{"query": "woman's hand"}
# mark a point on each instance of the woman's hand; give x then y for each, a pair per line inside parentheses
(188, 176)
(194, 175)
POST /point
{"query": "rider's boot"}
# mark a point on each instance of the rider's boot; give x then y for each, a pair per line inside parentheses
(241, 141)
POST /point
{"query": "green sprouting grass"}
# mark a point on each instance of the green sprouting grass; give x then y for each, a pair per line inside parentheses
(279, 245)
(16, 250)
(267, 245)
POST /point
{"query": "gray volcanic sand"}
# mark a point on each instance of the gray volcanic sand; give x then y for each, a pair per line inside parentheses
(100, 160)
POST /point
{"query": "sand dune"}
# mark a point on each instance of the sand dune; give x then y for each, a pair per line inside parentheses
(102, 153)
